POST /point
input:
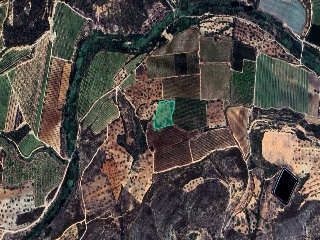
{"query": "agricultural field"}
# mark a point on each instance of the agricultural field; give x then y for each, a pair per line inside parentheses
(108, 112)
(28, 79)
(215, 81)
(292, 13)
(311, 58)
(279, 84)
(211, 141)
(28, 144)
(173, 65)
(215, 50)
(43, 89)
(67, 27)
(99, 78)
(242, 85)
(55, 95)
(316, 11)
(215, 114)
(172, 87)
(164, 112)
(13, 57)
(238, 119)
(5, 90)
(190, 114)
(158, 120)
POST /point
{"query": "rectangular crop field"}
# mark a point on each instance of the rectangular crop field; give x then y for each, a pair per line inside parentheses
(67, 26)
(173, 65)
(215, 81)
(280, 84)
(292, 13)
(190, 114)
(242, 85)
(172, 87)
(212, 50)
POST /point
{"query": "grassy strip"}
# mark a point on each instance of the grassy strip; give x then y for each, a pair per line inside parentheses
(43, 90)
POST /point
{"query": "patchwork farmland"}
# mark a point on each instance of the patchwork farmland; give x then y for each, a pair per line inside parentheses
(279, 84)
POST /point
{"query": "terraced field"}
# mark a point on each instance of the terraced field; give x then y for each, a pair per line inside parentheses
(279, 84)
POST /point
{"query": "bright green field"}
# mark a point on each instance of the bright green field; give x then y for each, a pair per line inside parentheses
(5, 89)
(67, 26)
(28, 144)
(99, 78)
(164, 114)
(279, 84)
(242, 85)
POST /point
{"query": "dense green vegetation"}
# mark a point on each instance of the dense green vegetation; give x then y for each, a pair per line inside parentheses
(280, 84)
(43, 90)
(99, 78)
(164, 114)
(28, 144)
(5, 90)
(12, 57)
(311, 58)
(67, 26)
(242, 85)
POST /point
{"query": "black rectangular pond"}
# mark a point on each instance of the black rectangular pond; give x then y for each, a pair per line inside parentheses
(285, 185)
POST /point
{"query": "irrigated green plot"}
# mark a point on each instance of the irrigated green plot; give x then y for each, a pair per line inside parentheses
(99, 78)
(107, 113)
(190, 114)
(28, 144)
(242, 85)
(5, 89)
(67, 26)
(280, 84)
(164, 114)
